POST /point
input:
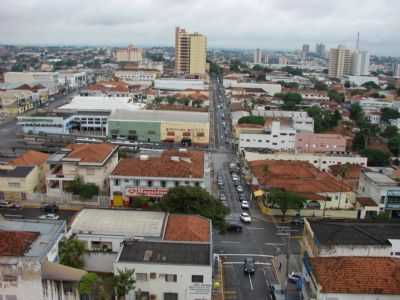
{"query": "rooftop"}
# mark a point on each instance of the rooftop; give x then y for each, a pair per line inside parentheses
(354, 232)
(103, 103)
(112, 86)
(30, 158)
(90, 153)
(187, 228)
(295, 176)
(357, 275)
(347, 171)
(127, 223)
(163, 252)
(16, 172)
(171, 163)
(38, 236)
(380, 178)
(160, 115)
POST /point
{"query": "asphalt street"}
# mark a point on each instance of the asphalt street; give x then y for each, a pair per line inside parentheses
(35, 213)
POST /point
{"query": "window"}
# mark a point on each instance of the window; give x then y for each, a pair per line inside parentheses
(141, 276)
(126, 180)
(101, 246)
(14, 184)
(176, 183)
(149, 183)
(170, 296)
(116, 182)
(186, 134)
(197, 278)
(170, 133)
(132, 132)
(151, 132)
(197, 184)
(200, 134)
(171, 278)
(153, 275)
(382, 199)
(90, 171)
(163, 183)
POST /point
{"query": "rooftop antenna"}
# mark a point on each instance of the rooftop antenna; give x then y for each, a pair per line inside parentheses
(358, 41)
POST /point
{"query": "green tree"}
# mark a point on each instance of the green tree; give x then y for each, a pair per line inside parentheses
(390, 132)
(376, 158)
(323, 119)
(259, 120)
(370, 85)
(291, 100)
(356, 113)
(347, 84)
(394, 144)
(123, 283)
(92, 286)
(194, 200)
(359, 142)
(141, 202)
(320, 86)
(335, 96)
(258, 68)
(388, 113)
(71, 252)
(286, 200)
(84, 190)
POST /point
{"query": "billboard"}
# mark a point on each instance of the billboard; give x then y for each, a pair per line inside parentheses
(148, 192)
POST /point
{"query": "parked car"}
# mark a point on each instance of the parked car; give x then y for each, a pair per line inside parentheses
(239, 188)
(245, 205)
(298, 221)
(222, 197)
(235, 176)
(49, 217)
(249, 266)
(245, 217)
(242, 197)
(277, 292)
(233, 227)
(294, 277)
(5, 204)
(49, 208)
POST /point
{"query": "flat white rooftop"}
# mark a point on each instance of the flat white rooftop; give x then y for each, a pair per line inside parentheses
(96, 103)
(380, 178)
(127, 223)
(160, 115)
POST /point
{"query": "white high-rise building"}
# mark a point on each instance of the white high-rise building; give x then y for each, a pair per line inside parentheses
(396, 70)
(360, 63)
(258, 56)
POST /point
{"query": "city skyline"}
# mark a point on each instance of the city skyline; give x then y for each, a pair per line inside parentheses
(275, 25)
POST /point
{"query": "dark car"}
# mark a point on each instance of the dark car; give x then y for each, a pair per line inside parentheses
(49, 208)
(298, 221)
(233, 227)
(242, 197)
(249, 266)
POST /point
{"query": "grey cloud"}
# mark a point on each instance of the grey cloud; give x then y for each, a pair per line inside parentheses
(272, 24)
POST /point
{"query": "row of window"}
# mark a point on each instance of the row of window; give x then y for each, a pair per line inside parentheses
(167, 277)
(262, 141)
(151, 183)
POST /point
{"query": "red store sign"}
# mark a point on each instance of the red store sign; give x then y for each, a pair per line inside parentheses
(148, 192)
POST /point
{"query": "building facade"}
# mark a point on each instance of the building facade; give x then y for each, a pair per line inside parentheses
(130, 54)
(319, 143)
(340, 62)
(47, 79)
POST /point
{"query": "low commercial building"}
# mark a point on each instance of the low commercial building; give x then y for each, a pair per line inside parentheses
(269, 88)
(176, 84)
(171, 254)
(107, 89)
(15, 102)
(356, 278)
(360, 80)
(320, 143)
(93, 163)
(301, 121)
(129, 54)
(137, 76)
(320, 189)
(153, 176)
(320, 161)
(382, 189)
(158, 126)
(72, 80)
(29, 267)
(44, 123)
(47, 79)
(17, 182)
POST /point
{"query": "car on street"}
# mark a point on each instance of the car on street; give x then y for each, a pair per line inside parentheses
(222, 197)
(245, 217)
(298, 221)
(277, 292)
(294, 277)
(233, 227)
(245, 205)
(242, 197)
(49, 208)
(249, 266)
(235, 176)
(239, 188)
(49, 217)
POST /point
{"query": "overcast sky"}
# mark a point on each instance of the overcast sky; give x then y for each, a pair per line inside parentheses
(267, 24)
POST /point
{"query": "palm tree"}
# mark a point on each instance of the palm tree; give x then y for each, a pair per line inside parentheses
(123, 283)
(71, 253)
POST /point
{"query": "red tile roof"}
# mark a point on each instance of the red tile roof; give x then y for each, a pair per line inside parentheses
(350, 171)
(357, 275)
(295, 176)
(190, 164)
(90, 153)
(30, 158)
(187, 228)
(366, 201)
(104, 86)
(16, 243)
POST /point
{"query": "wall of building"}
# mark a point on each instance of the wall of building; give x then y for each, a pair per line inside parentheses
(198, 52)
(274, 141)
(14, 188)
(319, 143)
(355, 250)
(197, 132)
(144, 131)
(49, 125)
(183, 287)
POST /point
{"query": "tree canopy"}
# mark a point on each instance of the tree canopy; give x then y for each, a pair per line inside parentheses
(259, 120)
(290, 100)
(388, 113)
(336, 96)
(390, 132)
(286, 200)
(71, 252)
(123, 282)
(370, 85)
(323, 119)
(194, 200)
(376, 158)
(320, 86)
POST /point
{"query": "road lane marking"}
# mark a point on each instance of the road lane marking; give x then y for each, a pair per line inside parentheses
(251, 284)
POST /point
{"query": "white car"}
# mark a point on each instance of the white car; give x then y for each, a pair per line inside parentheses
(245, 217)
(245, 205)
(49, 217)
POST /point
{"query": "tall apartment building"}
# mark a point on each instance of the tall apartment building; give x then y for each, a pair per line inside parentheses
(258, 56)
(360, 63)
(396, 70)
(320, 50)
(130, 54)
(340, 62)
(190, 52)
(305, 50)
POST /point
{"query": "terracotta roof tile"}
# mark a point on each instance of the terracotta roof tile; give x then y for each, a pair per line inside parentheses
(190, 164)
(30, 158)
(357, 275)
(295, 176)
(187, 228)
(350, 171)
(366, 201)
(16, 243)
(90, 153)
